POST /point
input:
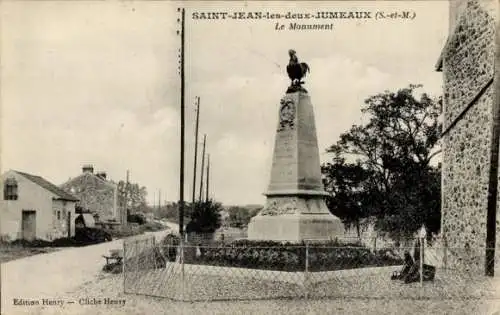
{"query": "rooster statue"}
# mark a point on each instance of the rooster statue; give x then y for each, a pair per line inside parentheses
(296, 71)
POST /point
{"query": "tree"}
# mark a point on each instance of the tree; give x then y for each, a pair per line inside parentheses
(205, 217)
(346, 183)
(389, 175)
(239, 217)
(134, 196)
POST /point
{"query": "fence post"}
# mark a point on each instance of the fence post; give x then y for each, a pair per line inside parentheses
(421, 236)
(123, 266)
(181, 260)
(306, 273)
(421, 262)
(445, 252)
(154, 252)
(138, 256)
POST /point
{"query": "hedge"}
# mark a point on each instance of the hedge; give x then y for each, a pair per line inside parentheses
(271, 255)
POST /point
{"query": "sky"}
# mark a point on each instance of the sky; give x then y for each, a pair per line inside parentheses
(91, 82)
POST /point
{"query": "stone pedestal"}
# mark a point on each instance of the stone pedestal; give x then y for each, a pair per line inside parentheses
(295, 208)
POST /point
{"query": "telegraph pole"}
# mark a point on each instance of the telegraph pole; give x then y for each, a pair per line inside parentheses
(125, 212)
(181, 173)
(159, 200)
(202, 166)
(196, 149)
(208, 176)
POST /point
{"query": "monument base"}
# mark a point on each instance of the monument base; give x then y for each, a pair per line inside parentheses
(295, 227)
(294, 219)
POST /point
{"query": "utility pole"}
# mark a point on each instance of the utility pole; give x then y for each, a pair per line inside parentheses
(181, 173)
(154, 203)
(125, 206)
(202, 166)
(159, 200)
(208, 176)
(195, 149)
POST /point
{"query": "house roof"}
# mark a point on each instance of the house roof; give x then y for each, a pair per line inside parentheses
(88, 219)
(40, 181)
(105, 181)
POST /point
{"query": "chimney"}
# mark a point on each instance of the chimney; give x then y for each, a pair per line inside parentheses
(101, 175)
(88, 168)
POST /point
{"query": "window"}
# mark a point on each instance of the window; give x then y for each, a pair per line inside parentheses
(58, 215)
(10, 189)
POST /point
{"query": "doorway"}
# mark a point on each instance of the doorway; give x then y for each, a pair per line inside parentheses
(29, 225)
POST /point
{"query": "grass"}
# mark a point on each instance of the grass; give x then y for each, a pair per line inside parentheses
(10, 252)
(134, 229)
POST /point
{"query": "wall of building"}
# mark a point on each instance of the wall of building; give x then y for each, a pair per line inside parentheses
(95, 194)
(60, 226)
(465, 185)
(468, 68)
(30, 197)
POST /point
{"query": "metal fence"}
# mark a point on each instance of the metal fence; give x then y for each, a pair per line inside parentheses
(248, 271)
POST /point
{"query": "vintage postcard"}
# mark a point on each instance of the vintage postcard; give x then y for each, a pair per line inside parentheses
(251, 157)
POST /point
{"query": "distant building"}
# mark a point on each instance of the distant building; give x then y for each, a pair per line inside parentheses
(33, 208)
(97, 194)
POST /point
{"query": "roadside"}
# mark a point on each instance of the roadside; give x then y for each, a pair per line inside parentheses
(18, 249)
(52, 275)
(75, 275)
(11, 252)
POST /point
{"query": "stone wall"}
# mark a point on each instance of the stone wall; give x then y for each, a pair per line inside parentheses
(468, 60)
(468, 71)
(60, 221)
(466, 154)
(95, 194)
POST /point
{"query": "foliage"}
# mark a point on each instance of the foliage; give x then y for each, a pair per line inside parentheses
(382, 168)
(205, 217)
(148, 258)
(129, 230)
(152, 227)
(270, 255)
(138, 218)
(346, 183)
(135, 229)
(170, 211)
(169, 245)
(83, 237)
(239, 216)
(133, 196)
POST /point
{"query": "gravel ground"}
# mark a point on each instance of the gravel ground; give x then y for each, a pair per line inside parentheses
(111, 286)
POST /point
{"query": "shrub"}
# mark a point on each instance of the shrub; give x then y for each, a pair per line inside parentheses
(152, 227)
(136, 218)
(168, 246)
(148, 258)
(122, 232)
(205, 217)
(272, 255)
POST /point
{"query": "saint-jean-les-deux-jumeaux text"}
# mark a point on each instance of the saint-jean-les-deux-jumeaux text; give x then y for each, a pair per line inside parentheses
(238, 15)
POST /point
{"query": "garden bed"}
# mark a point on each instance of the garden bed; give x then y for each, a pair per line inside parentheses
(290, 257)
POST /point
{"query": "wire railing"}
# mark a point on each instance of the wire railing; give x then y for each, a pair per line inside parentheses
(243, 270)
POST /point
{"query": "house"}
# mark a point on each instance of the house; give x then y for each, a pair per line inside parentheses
(33, 208)
(97, 194)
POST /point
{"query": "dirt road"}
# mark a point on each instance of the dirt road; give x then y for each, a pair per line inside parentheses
(54, 274)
